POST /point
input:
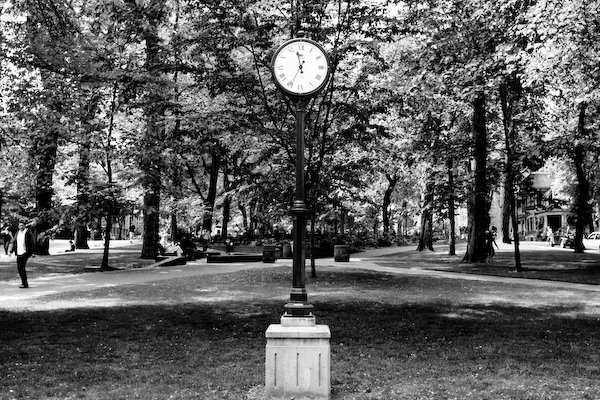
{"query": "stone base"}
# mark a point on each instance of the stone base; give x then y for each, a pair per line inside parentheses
(298, 359)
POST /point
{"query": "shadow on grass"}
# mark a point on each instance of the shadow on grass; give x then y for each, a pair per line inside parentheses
(383, 345)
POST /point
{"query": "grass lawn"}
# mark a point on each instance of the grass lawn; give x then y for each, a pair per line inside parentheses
(539, 261)
(393, 337)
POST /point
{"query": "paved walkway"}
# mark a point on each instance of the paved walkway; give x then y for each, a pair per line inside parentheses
(12, 297)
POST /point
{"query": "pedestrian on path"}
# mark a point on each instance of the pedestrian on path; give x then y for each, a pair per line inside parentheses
(131, 233)
(7, 237)
(23, 248)
(490, 242)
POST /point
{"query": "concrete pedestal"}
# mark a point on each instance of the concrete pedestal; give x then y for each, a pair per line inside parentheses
(298, 359)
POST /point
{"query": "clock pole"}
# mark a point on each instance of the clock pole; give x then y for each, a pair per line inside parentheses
(298, 305)
(298, 351)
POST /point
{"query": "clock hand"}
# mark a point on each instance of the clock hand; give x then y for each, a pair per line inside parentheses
(294, 77)
(300, 61)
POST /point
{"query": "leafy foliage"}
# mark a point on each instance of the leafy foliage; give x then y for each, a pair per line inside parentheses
(170, 104)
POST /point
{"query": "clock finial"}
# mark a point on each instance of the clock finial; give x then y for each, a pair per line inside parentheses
(301, 33)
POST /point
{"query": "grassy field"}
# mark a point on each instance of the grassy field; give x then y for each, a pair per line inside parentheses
(393, 337)
(539, 261)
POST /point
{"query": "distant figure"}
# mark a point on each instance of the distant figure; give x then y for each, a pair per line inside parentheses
(228, 245)
(550, 235)
(71, 247)
(131, 233)
(164, 241)
(23, 248)
(188, 247)
(494, 234)
(490, 241)
(7, 237)
(161, 249)
(164, 244)
(205, 239)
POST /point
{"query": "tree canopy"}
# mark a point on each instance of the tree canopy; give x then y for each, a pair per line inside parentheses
(168, 107)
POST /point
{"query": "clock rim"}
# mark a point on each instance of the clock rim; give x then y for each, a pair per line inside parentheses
(290, 92)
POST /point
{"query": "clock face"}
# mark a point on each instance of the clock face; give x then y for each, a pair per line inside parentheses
(300, 67)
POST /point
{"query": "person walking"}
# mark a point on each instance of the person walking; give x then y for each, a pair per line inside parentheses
(205, 239)
(490, 242)
(7, 237)
(23, 248)
(131, 233)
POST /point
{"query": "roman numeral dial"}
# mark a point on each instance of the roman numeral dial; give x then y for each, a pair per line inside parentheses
(300, 67)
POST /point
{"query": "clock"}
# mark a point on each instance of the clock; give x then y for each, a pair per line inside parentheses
(300, 67)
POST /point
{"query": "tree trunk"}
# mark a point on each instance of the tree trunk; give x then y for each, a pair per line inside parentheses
(313, 268)
(226, 214)
(45, 152)
(451, 206)
(582, 197)
(478, 215)
(387, 200)
(513, 216)
(151, 223)
(173, 228)
(226, 200)
(244, 213)
(209, 204)
(151, 163)
(175, 137)
(109, 218)
(83, 174)
(509, 98)
(110, 211)
(506, 210)
(251, 215)
(176, 181)
(426, 237)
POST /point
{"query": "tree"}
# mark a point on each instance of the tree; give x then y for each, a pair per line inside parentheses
(509, 98)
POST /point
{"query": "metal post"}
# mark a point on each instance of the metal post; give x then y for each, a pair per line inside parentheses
(298, 305)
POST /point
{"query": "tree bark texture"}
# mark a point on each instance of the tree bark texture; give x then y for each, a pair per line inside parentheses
(151, 163)
(226, 200)
(451, 207)
(83, 173)
(478, 214)
(226, 214)
(426, 237)
(582, 197)
(242, 208)
(313, 267)
(211, 197)
(108, 229)
(509, 99)
(45, 151)
(387, 200)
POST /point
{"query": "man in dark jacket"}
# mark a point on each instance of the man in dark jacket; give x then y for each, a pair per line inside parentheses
(23, 248)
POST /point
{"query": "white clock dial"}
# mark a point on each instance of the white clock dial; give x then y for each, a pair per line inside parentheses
(300, 67)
